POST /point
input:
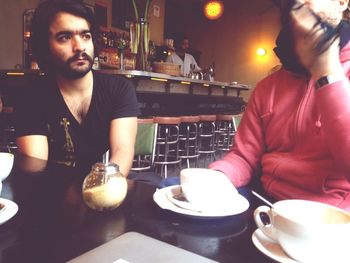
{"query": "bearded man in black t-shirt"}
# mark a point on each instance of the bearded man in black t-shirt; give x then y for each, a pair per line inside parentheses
(73, 113)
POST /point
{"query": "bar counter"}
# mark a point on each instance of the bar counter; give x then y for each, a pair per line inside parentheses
(227, 87)
(158, 94)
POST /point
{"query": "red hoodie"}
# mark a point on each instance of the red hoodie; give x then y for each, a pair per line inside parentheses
(296, 138)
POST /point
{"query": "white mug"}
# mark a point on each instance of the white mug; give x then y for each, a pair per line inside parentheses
(205, 188)
(6, 163)
(308, 231)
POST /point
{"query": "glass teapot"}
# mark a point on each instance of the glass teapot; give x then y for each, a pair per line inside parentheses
(104, 188)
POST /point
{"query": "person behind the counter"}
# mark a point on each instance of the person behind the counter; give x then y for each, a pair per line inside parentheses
(181, 57)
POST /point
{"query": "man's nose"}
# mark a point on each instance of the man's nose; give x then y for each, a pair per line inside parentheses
(78, 44)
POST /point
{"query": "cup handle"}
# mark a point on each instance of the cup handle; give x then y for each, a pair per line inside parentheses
(267, 229)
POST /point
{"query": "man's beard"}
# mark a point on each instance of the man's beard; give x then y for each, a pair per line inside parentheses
(66, 70)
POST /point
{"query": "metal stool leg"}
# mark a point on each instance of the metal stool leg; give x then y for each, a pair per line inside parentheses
(189, 140)
(167, 143)
(207, 138)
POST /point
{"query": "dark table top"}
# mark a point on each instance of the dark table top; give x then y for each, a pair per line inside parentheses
(54, 225)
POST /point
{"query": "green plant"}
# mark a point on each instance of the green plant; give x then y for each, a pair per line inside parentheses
(122, 43)
(140, 6)
(141, 32)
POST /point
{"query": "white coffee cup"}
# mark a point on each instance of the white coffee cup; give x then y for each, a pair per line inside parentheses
(6, 163)
(206, 188)
(308, 231)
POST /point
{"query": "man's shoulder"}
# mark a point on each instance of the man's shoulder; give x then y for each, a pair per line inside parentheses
(37, 88)
(110, 83)
(174, 55)
(275, 75)
(281, 82)
(106, 79)
(189, 55)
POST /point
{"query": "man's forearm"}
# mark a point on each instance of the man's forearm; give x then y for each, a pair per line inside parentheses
(124, 160)
(122, 142)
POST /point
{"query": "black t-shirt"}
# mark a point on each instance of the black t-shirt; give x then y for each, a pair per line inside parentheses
(41, 110)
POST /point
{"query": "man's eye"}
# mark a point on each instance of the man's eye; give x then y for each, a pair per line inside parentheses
(64, 38)
(86, 36)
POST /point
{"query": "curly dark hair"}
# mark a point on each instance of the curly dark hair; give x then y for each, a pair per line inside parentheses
(178, 38)
(44, 15)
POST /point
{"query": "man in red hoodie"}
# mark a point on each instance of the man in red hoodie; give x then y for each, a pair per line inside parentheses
(294, 135)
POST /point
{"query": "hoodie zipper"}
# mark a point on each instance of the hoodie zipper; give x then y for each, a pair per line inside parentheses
(300, 113)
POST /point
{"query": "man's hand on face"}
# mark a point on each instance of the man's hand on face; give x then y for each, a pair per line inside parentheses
(308, 32)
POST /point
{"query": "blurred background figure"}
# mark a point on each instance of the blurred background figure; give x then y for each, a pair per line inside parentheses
(182, 57)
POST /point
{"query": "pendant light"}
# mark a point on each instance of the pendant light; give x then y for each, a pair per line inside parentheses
(213, 9)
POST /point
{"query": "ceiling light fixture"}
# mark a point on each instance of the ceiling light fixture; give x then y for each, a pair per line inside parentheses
(213, 9)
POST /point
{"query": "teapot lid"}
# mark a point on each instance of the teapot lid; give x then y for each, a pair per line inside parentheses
(105, 167)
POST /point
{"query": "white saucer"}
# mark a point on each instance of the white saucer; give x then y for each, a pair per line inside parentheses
(180, 200)
(11, 209)
(270, 248)
(236, 206)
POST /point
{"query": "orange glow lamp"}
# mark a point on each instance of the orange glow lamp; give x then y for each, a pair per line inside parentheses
(261, 52)
(213, 9)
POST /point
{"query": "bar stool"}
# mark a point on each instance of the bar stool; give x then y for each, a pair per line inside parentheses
(236, 121)
(188, 148)
(224, 132)
(167, 146)
(206, 136)
(145, 145)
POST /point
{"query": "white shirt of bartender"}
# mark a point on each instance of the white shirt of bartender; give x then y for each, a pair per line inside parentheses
(185, 64)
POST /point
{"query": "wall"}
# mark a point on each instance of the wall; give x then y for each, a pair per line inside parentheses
(157, 22)
(11, 30)
(231, 41)
(11, 27)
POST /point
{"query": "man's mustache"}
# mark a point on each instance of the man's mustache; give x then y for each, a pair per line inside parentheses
(79, 56)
